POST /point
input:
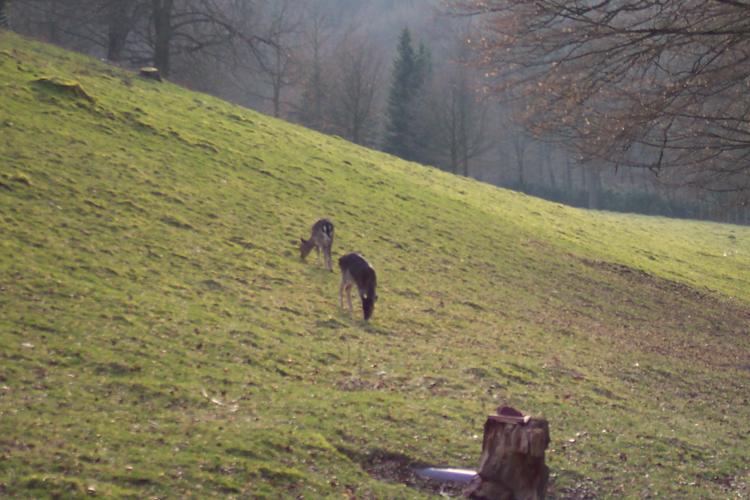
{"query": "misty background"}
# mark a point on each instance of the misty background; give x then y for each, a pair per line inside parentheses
(394, 75)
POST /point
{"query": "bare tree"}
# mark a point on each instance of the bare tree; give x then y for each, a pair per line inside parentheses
(190, 26)
(161, 15)
(317, 32)
(457, 110)
(139, 31)
(660, 85)
(51, 20)
(358, 77)
(520, 143)
(121, 18)
(278, 61)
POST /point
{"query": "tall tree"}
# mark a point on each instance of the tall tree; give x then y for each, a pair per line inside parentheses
(356, 88)
(410, 69)
(100, 27)
(181, 27)
(162, 20)
(456, 115)
(121, 17)
(279, 60)
(316, 85)
(49, 18)
(520, 143)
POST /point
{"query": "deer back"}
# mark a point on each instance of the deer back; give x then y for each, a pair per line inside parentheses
(322, 232)
(321, 236)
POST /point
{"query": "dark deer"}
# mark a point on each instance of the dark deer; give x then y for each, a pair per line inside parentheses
(321, 238)
(355, 270)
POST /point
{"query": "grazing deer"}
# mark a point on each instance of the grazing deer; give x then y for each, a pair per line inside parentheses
(321, 238)
(355, 270)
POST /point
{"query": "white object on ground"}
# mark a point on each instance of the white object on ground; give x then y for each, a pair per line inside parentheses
(457, 475)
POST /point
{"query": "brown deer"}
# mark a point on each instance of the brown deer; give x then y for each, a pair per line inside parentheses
(321, 238)
(355, 270)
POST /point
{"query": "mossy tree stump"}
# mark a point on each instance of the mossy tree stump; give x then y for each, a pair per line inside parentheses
(69, 88)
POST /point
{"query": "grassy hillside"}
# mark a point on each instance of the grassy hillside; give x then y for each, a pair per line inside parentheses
(160, 337)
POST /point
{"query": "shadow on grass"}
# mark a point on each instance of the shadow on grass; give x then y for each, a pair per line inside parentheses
(394, 467)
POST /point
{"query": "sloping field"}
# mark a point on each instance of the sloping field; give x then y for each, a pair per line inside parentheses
(159, 336)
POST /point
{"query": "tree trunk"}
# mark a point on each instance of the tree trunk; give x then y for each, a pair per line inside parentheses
(162, 14)
(465, 158)
(118, 29)
(453, 134)
(52, 25)
(276, 100)
(464, 142)
(547, 164)
(594, 186)
(519, 147)
(568, 176)
(277, 81)
(356, 125)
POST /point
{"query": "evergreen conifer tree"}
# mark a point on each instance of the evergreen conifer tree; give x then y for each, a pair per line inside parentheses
(410, 71)
(422, 134)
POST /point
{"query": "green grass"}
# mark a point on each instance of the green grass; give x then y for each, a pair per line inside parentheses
(160, 337)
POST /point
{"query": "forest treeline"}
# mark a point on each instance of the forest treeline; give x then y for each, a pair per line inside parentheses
(404, 76)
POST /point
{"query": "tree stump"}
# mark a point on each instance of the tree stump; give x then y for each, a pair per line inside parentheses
(151, 73)
(512, 466)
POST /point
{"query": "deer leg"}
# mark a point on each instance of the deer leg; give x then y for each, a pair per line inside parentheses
(341, 295)
(327, 254)
(349, 298)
